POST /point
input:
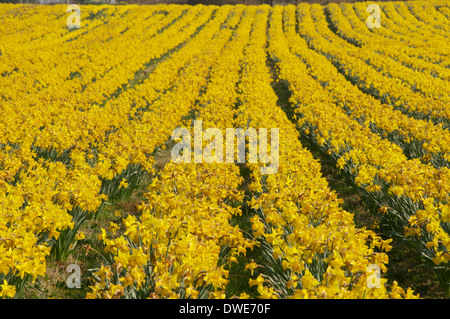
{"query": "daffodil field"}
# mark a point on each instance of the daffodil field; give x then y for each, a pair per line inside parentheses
(86, 121)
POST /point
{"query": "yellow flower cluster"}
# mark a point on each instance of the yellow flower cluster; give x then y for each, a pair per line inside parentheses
(299, 218)
(445, 11)
(7, 290)
(425, 12)
(367, 109)
(428, 85)
(392, 90)
(400, 28)
(403, 22)
(415, 55)
(36, 196)
(83, 107)
(139, 132)
(364, 155)
(185, 220)
(49, 162)
(174, 247)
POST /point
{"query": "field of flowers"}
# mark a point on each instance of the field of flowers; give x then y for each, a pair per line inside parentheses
(87, 179)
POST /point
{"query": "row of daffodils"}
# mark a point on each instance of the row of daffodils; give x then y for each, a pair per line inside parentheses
(89, 112)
